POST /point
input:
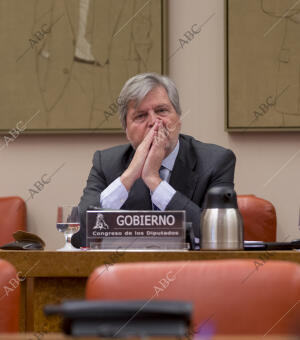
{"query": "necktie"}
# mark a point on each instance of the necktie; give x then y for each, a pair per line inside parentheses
(163, 174)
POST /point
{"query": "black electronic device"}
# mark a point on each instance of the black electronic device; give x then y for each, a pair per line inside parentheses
(260, 245)
(124, 318)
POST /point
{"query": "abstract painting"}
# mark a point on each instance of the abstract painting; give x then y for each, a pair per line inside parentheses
(263, 45)
(64, 62)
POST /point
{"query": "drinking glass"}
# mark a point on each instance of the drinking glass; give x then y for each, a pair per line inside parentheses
(68, 222)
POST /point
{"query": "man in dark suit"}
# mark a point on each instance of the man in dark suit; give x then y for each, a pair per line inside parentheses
(160, 168)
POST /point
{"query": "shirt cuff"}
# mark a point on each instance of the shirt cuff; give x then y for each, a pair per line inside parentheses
(114, 196)
(162, 195)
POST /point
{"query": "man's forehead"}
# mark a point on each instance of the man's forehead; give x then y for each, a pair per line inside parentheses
(148, 106)
(150, 102)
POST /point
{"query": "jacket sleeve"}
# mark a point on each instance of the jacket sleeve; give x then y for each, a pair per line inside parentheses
(96, 183)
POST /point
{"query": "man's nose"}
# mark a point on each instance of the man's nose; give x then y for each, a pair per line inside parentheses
(151, 118)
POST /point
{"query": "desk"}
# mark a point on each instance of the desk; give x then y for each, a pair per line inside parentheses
(56, 336)
(50, 276)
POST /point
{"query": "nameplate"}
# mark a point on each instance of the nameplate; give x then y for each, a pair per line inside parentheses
(135, 229)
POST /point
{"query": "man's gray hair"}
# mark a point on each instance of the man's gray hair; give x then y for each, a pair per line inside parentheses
(137, 87)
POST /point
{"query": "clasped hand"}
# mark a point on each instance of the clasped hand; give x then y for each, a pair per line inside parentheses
(148, 158)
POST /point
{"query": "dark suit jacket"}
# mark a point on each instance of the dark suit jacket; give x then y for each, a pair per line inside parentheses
(198, 167)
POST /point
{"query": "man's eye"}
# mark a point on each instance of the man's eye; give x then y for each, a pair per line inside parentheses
(140, 116)
(161, 110)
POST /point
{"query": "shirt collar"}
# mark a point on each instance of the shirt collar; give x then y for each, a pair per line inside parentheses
(169, 161)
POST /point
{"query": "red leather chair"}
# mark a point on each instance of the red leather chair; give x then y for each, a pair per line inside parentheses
(9, 299)
(12, 217)
(259, 217)
(230, 296)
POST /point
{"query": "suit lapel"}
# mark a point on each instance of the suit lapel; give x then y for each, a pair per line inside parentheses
(184, 177)
(126, 162)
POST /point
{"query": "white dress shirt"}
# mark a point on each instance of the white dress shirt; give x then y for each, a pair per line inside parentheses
(115, 195)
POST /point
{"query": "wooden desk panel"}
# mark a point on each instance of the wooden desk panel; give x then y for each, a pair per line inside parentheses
(56, 336)
(49, 277)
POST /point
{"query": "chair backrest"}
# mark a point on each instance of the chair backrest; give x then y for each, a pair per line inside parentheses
(229, 296)
(12, 217)
(9, 299)
(259, 217)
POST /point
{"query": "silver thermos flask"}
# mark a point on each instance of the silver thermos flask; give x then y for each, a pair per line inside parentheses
(221, 224)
